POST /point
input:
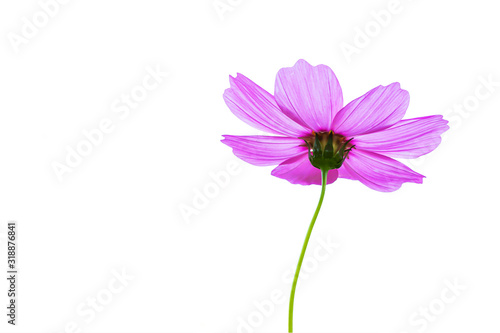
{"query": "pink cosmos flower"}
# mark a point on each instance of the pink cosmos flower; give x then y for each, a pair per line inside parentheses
(307, 106)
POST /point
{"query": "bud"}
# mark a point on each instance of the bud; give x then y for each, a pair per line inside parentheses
(328, 151)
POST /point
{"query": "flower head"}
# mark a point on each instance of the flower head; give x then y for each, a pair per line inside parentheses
(312, 130)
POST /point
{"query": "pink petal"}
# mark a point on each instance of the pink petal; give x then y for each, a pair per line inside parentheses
(376, 110)
(299, 170)
(377, 171)
(264, 150)
(257, 107)
(344, 173)
(309, 95)
(408, 138)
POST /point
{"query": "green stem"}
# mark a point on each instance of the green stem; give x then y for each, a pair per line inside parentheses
(324, 174)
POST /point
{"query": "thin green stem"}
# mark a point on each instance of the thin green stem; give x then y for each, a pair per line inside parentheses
(324, 174)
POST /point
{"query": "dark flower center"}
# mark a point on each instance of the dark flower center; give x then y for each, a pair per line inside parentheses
(327, 150)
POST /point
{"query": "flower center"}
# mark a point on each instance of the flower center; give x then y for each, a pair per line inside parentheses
(327, 150)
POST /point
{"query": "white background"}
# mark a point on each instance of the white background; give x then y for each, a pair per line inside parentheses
(119, 209)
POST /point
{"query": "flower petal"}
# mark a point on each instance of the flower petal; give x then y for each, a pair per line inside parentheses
(409, 138)
(299, 170)
(309, 95)
(264, 150)
(377, 171)
(376, 110)
(257, 107)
